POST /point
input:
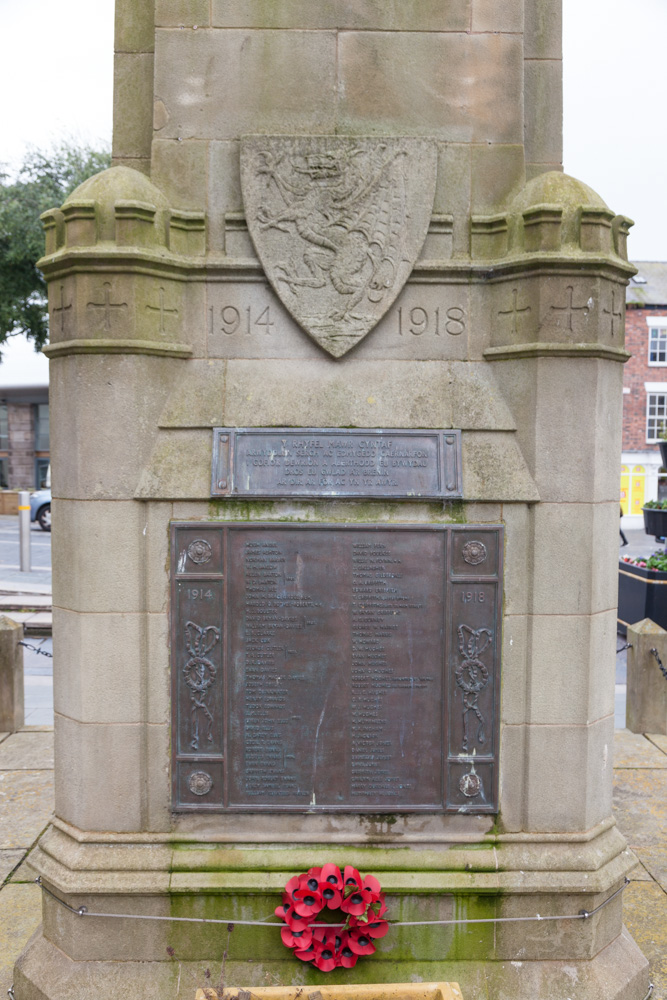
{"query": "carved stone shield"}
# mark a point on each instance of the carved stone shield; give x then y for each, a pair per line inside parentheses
(337, 222)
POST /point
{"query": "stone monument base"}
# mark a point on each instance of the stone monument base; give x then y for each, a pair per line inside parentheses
(449, 873)
(618, 972)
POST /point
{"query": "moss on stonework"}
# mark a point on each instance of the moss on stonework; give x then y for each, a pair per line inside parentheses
(332, 510)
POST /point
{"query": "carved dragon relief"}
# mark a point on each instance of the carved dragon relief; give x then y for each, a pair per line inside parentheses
(338, 223)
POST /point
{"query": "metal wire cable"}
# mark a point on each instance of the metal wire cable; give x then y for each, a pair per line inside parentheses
(83, 911)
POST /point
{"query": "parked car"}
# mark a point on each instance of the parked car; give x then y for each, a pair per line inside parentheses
(40, 508)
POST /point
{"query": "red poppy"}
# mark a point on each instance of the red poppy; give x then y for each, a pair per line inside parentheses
(376, 928)
(356, 903)
(296, 939)
(287, 913)
(360, 942)
(351, 877)
(307, 902)
(348, 958)
(371, 884)
(325, 960)
(306, 954)
(293, 884)
(331, 942)
(331, 875)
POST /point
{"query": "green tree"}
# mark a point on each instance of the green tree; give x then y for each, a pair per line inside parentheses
(44, 180)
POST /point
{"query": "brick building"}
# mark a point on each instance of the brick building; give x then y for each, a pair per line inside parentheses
(24, 416)
(644, 389)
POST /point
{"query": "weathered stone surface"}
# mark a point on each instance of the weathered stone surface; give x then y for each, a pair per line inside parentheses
(366, 394)
(27, 804)
(101, 571)
(543, 29)
(133, 105)
(497, 15)
(544, 111)
(646, 706)
(182, 13)
(86, 751)
(100, 674)
(134, 27)
(180, 170)
(29, 751)
(640, 805)
(406, 15)
(8, 862)
(11, 675)
(462, 88)
(426, 322)
(236, 82)
(645, 913)
(20, 916)
(338, 223)
(634, 750)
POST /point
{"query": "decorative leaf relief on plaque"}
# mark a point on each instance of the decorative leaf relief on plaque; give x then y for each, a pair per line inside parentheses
(199, 673)
(472, 676)
(338, 223)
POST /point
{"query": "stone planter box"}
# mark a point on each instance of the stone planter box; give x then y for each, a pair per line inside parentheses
(655, 521)
(642, 593)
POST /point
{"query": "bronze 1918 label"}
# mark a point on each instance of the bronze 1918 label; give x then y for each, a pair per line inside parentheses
(320, 668)
(316, 462)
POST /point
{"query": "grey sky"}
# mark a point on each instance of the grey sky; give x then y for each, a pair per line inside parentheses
(56, 80)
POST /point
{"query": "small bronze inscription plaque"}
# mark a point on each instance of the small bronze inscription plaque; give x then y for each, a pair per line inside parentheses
(321, 462)
(321, 668)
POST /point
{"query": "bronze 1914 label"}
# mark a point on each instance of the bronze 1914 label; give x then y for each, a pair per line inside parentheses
(326, 668)
(321, 462)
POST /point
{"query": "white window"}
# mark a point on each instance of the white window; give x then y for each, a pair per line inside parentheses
(657, 340)
(656, 414)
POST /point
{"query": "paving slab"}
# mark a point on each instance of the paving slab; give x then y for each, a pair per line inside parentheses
(8, 862)
(634, 750)
(25, 602)
(658, 740)
(26, 873)
(20, 916)
(640, 806)
(28, 751)
(654, 860)
(645, 916)
(26, 805)
(638, 874)
(3, 736)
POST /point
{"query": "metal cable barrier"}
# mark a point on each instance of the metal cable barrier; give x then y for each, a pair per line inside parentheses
(662, 669)
(83, 911)
(35, 649)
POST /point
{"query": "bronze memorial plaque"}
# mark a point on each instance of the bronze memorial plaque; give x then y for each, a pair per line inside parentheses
(322, 462)
(322, 668)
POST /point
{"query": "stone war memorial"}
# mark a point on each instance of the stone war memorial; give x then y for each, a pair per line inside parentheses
(336, 354)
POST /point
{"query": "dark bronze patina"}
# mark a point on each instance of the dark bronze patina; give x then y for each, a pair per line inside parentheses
(327, 668)
(321, 462)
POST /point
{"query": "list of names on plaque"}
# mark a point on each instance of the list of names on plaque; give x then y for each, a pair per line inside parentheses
(346, 684)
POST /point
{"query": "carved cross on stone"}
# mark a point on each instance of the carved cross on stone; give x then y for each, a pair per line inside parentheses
(570, 309)
(162, 310)
(62, 309)
(107, 305)
(514, 311)
(611, 313)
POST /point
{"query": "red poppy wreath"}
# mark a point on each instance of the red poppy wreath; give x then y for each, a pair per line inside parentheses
(328, 946)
